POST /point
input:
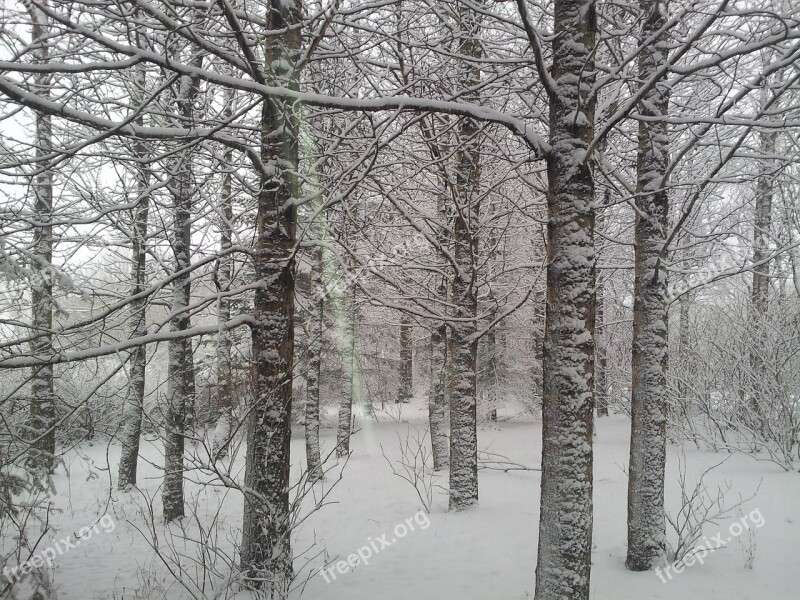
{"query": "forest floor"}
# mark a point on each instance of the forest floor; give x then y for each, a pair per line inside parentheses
(488, 552)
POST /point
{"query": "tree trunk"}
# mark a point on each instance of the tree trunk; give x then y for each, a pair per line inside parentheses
(180, 376)
(489, 371)
(346, 330)
(315, 327)
(649, 395)
(601, 361)
(406, 360)
(42, 410)
(565, 524)
(225, 403)
(437, 405)
(759, 297)
(266, 553)
(463, 402)
(133, 407)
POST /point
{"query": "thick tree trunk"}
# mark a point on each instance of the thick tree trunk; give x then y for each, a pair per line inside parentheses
(565, 524)
(649, 395)
(406, 361)
(133, 407)
(266, 553)
(42, 409)
(463, 401)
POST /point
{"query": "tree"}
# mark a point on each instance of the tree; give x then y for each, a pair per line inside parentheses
(43, 399)
(180, 378)
(266, 554)
(225, 402)
(649, 397)
(133, 407)
(405, 392)
(565, 523)
(463, 399)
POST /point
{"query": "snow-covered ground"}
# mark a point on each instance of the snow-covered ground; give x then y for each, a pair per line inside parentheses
(489, 552)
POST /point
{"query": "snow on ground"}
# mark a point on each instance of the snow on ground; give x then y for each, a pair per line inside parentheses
(489, 552)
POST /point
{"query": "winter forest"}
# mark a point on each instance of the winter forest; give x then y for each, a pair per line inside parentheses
(398, 299)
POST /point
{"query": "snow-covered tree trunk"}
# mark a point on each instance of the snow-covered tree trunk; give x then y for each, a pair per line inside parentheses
(759, 295)
(225, 403)
(684, 304)
(488, 378)
(345, 330)
(565, 524)
(179, 362)
(315, 328)
(463, 401)
(266, 553)
(406, 360)
(649, 394)
(133, 407)
(437, 405)
(42, 421)
(601, 361)
(490, 365)
(437, 395)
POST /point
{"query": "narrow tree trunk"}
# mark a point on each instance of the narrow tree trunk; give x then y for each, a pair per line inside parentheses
(437, 405)
(315, 326)
(463, 402)
(684, 304)
(180, 368)
(133, 407)
(489, 371)
(225, 403)
(346, 330)
(406, 361)
(42, 410)
(178, 350)
(565, 524)
(649, 396)
(759, 297)
(601, 361)
(315, 332)
(266, 553)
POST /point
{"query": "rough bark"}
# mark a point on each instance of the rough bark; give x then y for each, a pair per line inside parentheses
(601, 360)
(488, 379)
(565, 524)
(439, 383)
(759, 295)
(406, 361)
(133, 407)
(266, 554)
(463, 401)
(437, 405)
(346, 320)
(489, 383)
(649, 394)
(180, 375)
(225, 403)
(42, 421)
(314, 330)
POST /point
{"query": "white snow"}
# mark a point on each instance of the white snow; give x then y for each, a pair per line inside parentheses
(486, 552)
